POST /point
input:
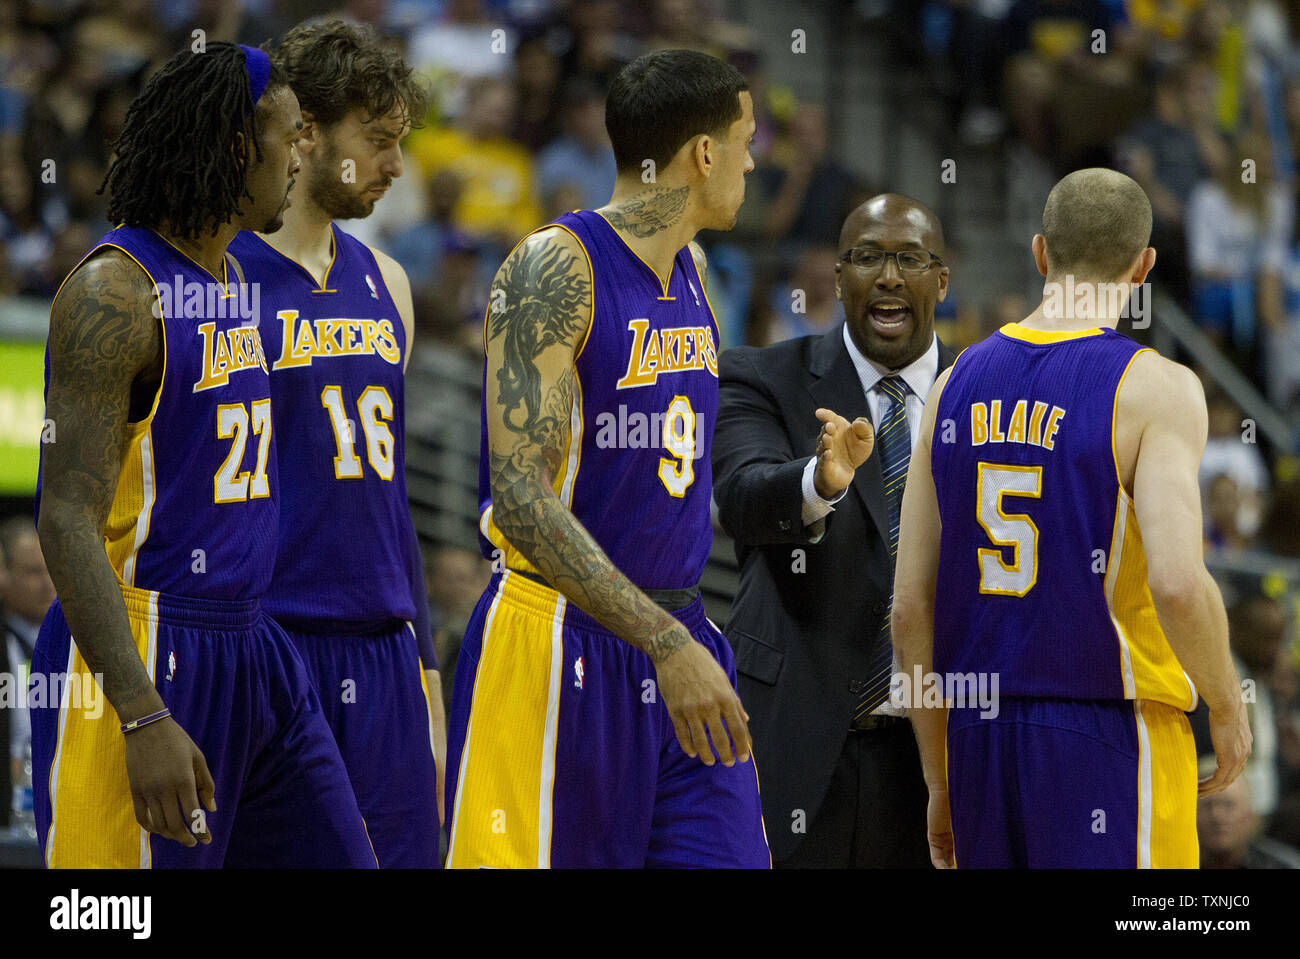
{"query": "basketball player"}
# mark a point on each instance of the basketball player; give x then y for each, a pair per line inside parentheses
(158, 512)
(591, 692)
(348, 583)
(1052, 505)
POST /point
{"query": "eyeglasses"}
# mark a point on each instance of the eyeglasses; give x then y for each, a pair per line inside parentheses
(909, 261)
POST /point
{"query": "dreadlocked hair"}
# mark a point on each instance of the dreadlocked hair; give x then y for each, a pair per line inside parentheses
(335, 66)
(176, 159)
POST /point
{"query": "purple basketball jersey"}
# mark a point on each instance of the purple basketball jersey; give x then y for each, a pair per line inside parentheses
(336, 354)
(1042, 576)
(638, 473)
(196, 508)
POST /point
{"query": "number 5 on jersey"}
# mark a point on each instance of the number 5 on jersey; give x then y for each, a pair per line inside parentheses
(994, 481)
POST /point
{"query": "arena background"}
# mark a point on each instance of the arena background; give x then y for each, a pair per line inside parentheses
(973, 107)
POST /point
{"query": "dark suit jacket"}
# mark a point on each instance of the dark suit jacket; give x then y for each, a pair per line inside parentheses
(806, 615)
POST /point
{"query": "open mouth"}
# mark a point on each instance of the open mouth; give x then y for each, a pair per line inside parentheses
(889, 319)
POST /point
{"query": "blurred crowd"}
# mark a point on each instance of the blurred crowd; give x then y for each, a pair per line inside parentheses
(1198, 100)
(514, 137)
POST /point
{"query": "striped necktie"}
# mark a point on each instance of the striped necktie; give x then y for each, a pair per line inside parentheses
(894, 440)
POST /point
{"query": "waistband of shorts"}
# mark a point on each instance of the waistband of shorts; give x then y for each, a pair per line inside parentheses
(337, 629)
(190, 611)
(528, 592)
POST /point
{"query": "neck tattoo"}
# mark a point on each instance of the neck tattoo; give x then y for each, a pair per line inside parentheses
(649, 212)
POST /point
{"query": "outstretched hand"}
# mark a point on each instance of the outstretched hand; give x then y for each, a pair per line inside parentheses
(841, 448)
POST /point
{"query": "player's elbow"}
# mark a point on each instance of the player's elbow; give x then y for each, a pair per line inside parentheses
(64, 532)
(515, 505)
(1176, 589)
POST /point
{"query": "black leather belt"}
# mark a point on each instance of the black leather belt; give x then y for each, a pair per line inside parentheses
(872, 722)
(669, 600)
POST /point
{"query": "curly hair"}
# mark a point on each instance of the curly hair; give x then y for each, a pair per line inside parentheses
(335, 67)
(175, 160)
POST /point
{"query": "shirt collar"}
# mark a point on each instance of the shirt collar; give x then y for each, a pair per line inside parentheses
(919, 375)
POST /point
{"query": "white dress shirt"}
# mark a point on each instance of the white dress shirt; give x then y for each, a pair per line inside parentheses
(919, 377)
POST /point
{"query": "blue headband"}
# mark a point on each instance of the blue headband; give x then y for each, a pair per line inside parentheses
(258, 65)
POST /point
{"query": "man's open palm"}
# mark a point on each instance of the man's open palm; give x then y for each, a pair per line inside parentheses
(841, 448)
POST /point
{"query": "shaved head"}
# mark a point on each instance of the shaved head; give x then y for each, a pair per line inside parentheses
(1095, 224)
(889, 310)
(893, 207)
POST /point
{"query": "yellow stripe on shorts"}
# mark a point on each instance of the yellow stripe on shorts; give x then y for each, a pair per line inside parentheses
(1166, 788)
(502, 809)
(93, 824)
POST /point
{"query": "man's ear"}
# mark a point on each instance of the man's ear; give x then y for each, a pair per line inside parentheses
(703, 154)
(240, 147)
(1039, 246)
(839, 268)
(309, 135)
(943, 283)
(1145, 261)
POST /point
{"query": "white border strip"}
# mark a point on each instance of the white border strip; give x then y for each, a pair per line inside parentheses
(1112, 576)
(58, 753)
(1144, 789)
(150, 662)
(146, 507)
(546, 798)
(575, 447)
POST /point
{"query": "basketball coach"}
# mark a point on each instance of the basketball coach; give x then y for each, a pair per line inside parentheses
(810, 454)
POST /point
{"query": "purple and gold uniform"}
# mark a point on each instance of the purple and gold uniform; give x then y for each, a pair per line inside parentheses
(346, 585)
(1042, 583)
(560, 751)
(191, 535)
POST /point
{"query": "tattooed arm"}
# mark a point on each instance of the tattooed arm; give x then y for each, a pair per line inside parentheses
(541, 311)
(100, 342)
(104, 345)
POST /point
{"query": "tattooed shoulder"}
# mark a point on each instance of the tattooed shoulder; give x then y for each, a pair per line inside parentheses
(541, 298)
(102, 322)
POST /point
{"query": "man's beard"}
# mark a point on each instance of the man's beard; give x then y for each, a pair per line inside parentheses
(338, 199)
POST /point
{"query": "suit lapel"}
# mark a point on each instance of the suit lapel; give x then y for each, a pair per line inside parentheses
(838, 388)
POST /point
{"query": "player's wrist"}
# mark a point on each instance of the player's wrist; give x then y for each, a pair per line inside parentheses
(671, 638)
(141, 705)
(1225, 708)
